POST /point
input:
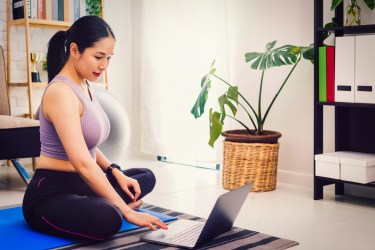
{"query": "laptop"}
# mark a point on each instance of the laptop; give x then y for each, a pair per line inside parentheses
(191, 234)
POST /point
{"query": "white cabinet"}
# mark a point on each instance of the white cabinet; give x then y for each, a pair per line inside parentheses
(344, 69)
(365, 69)
(355, 69)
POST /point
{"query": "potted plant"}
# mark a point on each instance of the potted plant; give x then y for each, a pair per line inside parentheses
(238, 169)
(352, 11)
(369, 3)
(94, 7)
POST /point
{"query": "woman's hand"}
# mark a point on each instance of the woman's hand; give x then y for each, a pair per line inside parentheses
(126, 183)
(144, 220)
(135, 205)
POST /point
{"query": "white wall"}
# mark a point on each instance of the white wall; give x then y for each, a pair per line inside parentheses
(119, 15)
(252, 23)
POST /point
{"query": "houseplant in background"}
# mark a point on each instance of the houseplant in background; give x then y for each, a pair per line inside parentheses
(249, 154)
(94, 7)
(353, 11)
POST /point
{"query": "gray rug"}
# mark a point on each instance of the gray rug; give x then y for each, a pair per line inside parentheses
(236, 238)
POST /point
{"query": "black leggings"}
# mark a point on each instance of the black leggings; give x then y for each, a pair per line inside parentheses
(61, 203)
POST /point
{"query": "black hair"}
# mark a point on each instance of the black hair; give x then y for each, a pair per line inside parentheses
(84, 32)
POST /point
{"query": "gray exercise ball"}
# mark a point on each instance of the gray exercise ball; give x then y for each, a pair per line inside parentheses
(116, 145)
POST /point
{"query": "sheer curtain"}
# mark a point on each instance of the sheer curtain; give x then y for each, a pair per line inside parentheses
(179, 41)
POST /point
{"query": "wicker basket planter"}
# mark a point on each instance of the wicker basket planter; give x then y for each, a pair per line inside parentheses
(245, 161)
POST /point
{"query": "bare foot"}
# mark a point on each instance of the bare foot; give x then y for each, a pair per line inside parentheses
(135, 205)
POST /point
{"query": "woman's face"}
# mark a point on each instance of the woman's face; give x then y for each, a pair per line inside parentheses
(94, 60)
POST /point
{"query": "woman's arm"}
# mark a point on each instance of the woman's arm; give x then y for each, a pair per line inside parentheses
(62, 108)
(102, 160)
(124, 181)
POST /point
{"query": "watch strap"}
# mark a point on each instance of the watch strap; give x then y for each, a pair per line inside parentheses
(111, 167)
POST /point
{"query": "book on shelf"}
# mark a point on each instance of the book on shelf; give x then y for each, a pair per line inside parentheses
(34, 9)
(58, 10)
(55, 11)
(82, 8)
(326, 74)
(72, 10)
(41, 9)
(48, 10)
(77, 9)
(330, 73)
(18, 9)
(322, 75)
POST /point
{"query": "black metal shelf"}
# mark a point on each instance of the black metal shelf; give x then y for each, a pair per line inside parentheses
(354, 122)
(351, 30)
(347, 104)
(371, 184)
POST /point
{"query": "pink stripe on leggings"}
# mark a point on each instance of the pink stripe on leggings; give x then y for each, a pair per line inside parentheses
(65, 231)
(40, 181)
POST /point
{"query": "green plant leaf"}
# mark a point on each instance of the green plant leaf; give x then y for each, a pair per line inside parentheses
(308, 52)
(222, 101)
(285, 55)
(226, 100)
(216, 126)
(233, 93)
(94, 7)
(257, 62)
(270, 45)
(251, 55)
(370, 4)
(333, 23)
(199, 105)
(198, 108)
(335, 3)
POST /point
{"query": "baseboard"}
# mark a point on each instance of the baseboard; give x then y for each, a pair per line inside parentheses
(295, 178)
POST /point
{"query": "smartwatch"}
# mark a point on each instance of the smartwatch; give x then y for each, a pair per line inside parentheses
(111, 167)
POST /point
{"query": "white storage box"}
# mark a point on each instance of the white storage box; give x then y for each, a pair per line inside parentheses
(327, 165)
(357, 167)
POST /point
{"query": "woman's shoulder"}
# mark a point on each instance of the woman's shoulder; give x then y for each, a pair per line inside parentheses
(59, 98)
(58, 88)
(59, 91)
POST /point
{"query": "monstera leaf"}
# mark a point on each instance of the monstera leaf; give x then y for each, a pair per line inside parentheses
(227, 99)
(216, 126)
(285, 55)
(308, 53)
(198, 108)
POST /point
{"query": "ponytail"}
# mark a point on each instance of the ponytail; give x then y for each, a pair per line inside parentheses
(84, 32)
(56, 55)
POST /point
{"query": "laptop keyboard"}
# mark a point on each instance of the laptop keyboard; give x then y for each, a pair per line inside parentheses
(187, 237)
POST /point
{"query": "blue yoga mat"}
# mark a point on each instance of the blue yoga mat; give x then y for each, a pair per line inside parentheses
(16, 234)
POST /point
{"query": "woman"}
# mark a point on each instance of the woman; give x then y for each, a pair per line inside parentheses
(76, 191)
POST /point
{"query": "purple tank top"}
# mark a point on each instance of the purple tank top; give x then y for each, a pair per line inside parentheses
(94, 124)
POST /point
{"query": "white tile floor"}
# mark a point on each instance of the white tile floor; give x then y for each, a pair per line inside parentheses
(341, 222)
